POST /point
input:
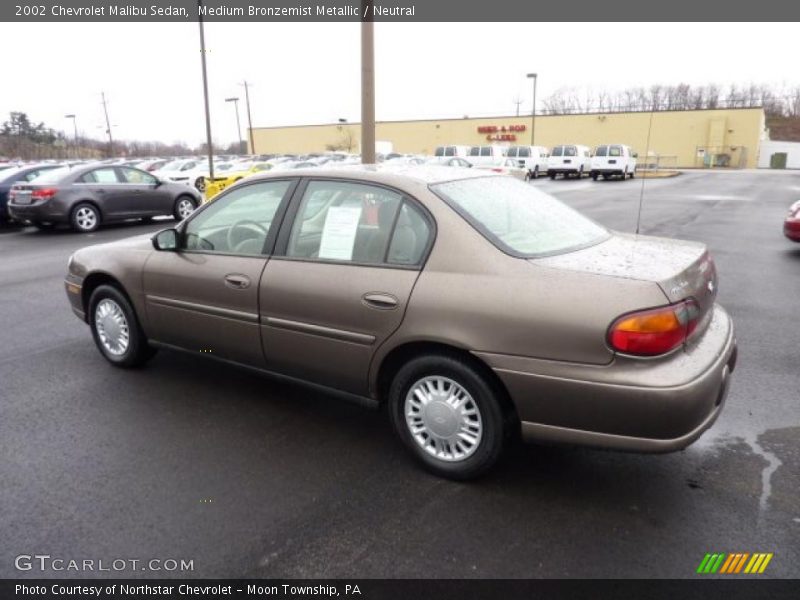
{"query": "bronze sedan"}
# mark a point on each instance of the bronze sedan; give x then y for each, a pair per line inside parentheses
(474, 305)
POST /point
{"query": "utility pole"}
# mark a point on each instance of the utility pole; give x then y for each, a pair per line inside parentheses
(108, 127)
(249, 119)
(205, 92)
(238, 125)
(518, 101)
(367, 85)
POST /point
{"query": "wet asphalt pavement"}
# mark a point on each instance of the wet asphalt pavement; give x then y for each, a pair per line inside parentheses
(248, 477)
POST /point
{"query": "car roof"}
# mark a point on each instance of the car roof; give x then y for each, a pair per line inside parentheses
(424, 174)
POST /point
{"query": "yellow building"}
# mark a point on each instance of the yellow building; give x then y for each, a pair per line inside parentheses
(687, 138)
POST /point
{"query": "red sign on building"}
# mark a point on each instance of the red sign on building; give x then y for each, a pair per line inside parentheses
(501, 133)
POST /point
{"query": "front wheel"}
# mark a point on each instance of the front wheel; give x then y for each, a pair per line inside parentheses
(85, 218)
(184, 206)
(116, 330)
(448, 415)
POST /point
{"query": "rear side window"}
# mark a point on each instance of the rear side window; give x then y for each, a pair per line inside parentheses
(557, 151)
(601, 151)
(410, 238)
(570, 151)
(100, 176)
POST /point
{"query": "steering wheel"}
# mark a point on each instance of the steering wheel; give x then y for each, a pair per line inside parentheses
(246, 225)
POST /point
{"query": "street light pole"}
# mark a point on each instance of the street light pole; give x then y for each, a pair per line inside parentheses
(108, 125)
(238, 125)
(533, 109)
(75, 127)
(367, 87)
(249, 118)
(205, 92)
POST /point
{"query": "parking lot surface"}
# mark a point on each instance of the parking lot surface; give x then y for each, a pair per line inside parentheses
(249, 477)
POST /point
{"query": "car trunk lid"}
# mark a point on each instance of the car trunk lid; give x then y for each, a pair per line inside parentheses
(683, 270)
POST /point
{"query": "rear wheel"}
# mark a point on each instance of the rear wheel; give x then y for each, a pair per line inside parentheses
(115, 328)
(184, 206)
(552, 175)
(594, 176)
(448, 415)
(85, 218)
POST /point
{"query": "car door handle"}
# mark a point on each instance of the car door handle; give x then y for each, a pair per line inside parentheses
(379, 300)
(100, 190)
(237, 282)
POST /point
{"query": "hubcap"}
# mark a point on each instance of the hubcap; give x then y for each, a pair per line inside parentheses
(185, 208)
(112, 327)
(86, 218)
(443, 418)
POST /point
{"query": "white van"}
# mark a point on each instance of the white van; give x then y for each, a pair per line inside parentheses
(450, 151)
(486, 155)
(613, 159)
(568, 160)
(532, 158)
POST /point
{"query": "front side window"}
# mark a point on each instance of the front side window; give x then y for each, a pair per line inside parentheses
(138, 177)
(108, 175)
(344, 221)
(518, 218)
(238, 222)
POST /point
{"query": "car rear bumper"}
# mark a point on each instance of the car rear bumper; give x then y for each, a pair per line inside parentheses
(562, 170)
(791, 229)
(609, 170)
(46, 211)
(644, 405)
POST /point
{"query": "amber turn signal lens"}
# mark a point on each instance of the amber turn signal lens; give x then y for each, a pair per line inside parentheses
(653, 332)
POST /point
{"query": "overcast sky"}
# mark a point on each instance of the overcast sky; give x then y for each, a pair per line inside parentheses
(310, 73)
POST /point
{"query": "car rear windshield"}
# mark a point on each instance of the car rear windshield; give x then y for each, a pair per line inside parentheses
(518, 218)
(601, 151)
(557, 151)
(53, 175)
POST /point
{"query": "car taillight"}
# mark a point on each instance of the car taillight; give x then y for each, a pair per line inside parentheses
(43, 193)
(655, 331)
(497, 170)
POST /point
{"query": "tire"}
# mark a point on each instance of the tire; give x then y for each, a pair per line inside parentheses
(552, 176)
(535, 174)
(181, 208)
(631, 174)
(200, 184)
(624, 174)
(116, 330)
(486, 426)
(580, 173)
(85, 218)
(605, 176)
(594, 176)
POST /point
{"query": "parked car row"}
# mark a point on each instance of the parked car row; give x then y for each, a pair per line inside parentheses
(568, 160)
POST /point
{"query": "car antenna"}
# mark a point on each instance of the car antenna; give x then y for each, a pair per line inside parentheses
(646, 153)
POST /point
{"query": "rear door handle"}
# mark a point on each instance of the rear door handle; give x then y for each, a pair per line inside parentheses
(380, 300)
(237, 282)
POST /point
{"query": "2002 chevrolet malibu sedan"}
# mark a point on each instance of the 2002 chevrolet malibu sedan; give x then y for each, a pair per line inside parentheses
(475, 306)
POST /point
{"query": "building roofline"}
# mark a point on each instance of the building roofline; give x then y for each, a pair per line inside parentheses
(538, 116)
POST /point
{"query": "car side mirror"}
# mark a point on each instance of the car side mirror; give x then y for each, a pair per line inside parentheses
(166, 240)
